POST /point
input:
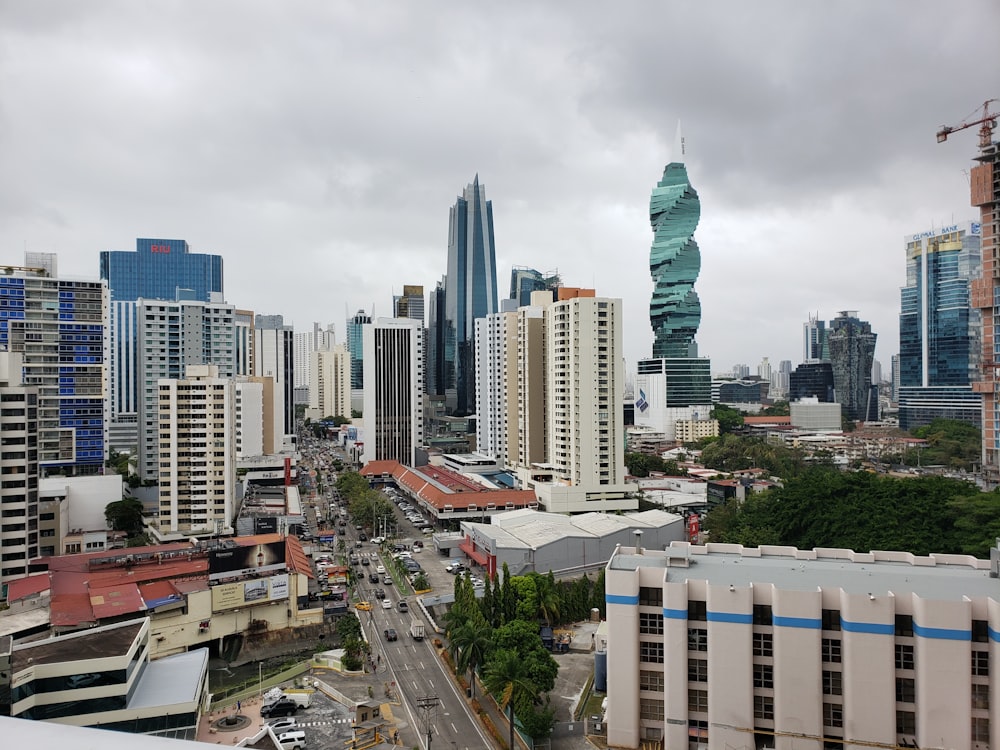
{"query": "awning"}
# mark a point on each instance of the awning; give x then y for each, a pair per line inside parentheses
(470, 549)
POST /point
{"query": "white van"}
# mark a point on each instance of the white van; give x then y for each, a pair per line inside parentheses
(292, 740)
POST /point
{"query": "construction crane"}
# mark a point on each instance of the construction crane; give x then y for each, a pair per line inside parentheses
(987, 120)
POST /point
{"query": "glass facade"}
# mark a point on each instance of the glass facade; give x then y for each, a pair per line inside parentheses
(524, 281)
(161, 269)
(674, 262)
(688, 379)
(356, 347)
(812, 380)
(852, 350)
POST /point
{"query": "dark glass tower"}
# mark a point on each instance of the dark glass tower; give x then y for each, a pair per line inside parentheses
(852, 349)
(161, 269)
(674, 262)
(355, 345)
(524, 281)
(470, 290)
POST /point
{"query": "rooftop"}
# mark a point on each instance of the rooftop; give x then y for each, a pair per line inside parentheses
(97, 643)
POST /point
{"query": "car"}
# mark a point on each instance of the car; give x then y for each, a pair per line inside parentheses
(280, 707)
(364, 606)
(380, 569)
(373, 578)
(380, 593)
(387, 580)
(402, 554)
(387, 603)
(365, 561)
(378, 539)
(403, 606)
(455, 567)
(412, 565)
(390, 634)
(363, 537)
(342, 522)
(282, 725)
(358, 527)
(295, 740)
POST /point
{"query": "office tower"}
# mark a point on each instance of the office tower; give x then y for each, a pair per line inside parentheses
(173, 335)
(741, 371)
(895, 378)
(355, 345)
(722, 647)
(852, 349)
(764, 370)
(780, 379)
(984, 182)
(524, 281)
(273, 357)
(526, 444)
(317, 340)
(814, 333)
(197, 478)
(123, 377)
(243, 328)
(19, 457)
(876, 372)
(330, 383)
(496, 383)
(940, 346)
(409, 304)
(161, 269)
(58, 326)
(394, 389)
(470, 292)
(812, 380)
(674, 261)
(439, 338)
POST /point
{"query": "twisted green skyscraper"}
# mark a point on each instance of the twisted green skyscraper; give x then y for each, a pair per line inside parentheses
(674, 262)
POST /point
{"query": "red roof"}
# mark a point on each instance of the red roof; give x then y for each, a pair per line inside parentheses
(766, 420)
(113, 601)
(22, 588)
(459, 491)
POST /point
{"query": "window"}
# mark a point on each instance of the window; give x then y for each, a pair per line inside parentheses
(650, 623)
(904, 625)
(763, 644)
(762, 614)
(906, 690)
(763, 707)
(980, 696)
(832, 684)
(650, 597)
(698, 611)
(763, 676)
(981, 663)
(651, 652)
(833, 715)
(697, 639)
(980, 631)
(904, 656)
(698, 700)
(831, 650)
(831, 619)
(697, 670)
(649, 680)
(906, 722)
(650, 708)
(980, 729)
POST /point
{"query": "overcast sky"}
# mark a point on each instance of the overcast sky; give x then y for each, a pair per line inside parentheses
(318, 146)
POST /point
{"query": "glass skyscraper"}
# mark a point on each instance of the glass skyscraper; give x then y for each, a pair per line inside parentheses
(852, 350)
(940, 342)
(355, 345)
(524, 281)
(161, 269)
(674, 262)
(470, 292)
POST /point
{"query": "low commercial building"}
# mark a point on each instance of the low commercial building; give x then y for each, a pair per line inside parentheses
(720, 646)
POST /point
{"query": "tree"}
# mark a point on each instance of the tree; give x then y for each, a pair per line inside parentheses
(730, 420)
(523, 638)
(124, 515)
(471, 644)
(508, 600)
(507, 680)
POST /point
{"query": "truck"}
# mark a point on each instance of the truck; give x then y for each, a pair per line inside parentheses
(301, 696)
(416, 630)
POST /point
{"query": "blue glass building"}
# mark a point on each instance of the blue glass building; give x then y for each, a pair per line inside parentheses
(355, 346)
(524, 281)
(161, 269)
(470, 292)
(939, 332)
(58, 327)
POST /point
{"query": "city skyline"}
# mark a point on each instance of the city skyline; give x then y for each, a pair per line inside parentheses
(812, 162)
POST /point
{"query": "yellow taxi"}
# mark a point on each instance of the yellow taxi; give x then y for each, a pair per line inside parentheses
(364, 606)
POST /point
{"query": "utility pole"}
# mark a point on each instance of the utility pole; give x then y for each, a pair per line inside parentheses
(427, 704)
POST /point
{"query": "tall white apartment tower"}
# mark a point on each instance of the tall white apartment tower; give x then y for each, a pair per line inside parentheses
(393, 390)
(330, 383)
(306, 342)
(173, 335)
(19, 457)
(496, 383)
(197, 474)
(273, 357)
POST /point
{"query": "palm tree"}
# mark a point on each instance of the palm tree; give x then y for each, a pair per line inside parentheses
(507, 679)
(470, 645)
(548, 603)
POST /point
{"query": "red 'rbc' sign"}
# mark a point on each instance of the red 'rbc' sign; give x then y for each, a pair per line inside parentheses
(160, 249)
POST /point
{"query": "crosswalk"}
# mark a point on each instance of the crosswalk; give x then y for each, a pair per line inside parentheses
(329, 722)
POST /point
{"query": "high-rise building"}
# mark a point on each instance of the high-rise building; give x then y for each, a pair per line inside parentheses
(470, 292)
(940, 345)
(197, 478)
(393, 391)
(812, 380)
(524, 281)
(814, 333)
(243, 328)
(58, 326)
(674, 261)
(356, 346)
(317, 340)
(161, 269)
(274, 357)
(496, 383)
(984, 182)
(19, 543)
(852, 349)
(440, 343)
(173, 335)
(764, 370)
(409, 304)
(330, 383)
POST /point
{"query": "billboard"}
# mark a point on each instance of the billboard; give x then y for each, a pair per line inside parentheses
(265, 525)
(247, 593)
(252, 559)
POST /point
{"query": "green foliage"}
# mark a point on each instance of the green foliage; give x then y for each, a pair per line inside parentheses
(777, 409)
(420, 582)
(733, 453)
(730, 419)
(355, 414)
(957, 445)
(863, 511)
(124, 515)
(641, 464)
(505, 677)
(523, 638)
